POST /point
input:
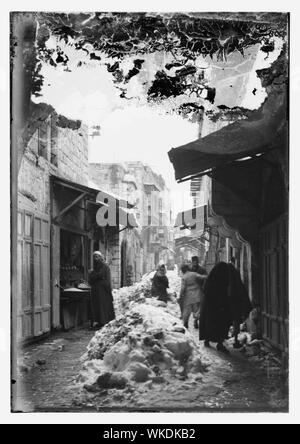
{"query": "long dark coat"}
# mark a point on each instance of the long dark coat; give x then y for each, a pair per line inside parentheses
(101, 294)
(239, 302)
(225, 301)
(160, 283)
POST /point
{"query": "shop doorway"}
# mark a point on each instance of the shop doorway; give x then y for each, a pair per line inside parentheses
(74, 289)
(72, 261)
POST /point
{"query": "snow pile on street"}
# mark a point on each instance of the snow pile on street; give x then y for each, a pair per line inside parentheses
(147, 345)
(137, 293)
(141, 291)
(174, 282)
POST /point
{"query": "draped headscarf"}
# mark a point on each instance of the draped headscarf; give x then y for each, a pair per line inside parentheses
(97, 264)
(161, 269)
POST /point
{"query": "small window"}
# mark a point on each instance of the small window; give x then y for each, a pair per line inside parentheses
(222, 242)
(149, 215)
(53, 139)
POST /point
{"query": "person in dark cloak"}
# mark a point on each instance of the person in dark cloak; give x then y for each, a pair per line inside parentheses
(101, 292)
(226, 302)
(197, 268)
(160, 284)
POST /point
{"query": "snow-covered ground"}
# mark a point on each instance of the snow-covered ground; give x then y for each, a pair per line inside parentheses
(146, 344)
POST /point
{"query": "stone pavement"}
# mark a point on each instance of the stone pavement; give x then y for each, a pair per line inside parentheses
(49, 370)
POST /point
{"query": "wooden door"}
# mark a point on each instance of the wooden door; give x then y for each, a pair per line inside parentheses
(274, 274)
(41, 272)
(25, 275)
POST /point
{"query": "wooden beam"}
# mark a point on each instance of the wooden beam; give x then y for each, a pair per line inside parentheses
(76, 187)
(70, 228)
(68, 207)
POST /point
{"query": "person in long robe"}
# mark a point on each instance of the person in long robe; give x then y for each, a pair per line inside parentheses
(225, 303)
(101, 291)
(191, 294)
(197, 268)
(160, 284)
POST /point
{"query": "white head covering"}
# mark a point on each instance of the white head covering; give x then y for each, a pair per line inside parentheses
(160, 265)
(98, 253)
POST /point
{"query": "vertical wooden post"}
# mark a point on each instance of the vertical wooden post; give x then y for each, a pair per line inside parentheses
(55, 276)
(23, 28)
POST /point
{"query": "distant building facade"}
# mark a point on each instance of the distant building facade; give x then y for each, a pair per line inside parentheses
(142, 187)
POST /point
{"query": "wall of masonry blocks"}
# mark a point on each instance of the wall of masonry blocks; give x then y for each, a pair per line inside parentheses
(134, 255)
(71, 148)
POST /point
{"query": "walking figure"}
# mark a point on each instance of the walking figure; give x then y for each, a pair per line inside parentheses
(101, 291)
(191, 294)
(225, 303)
(160, 284)
(197, 268)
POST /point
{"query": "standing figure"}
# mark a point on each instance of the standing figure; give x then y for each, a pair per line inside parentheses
(191, 294)
(197, 268)
(225, 301)
(101, 291)
(160, 284)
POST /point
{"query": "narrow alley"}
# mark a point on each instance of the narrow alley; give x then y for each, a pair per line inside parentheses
(150, 210)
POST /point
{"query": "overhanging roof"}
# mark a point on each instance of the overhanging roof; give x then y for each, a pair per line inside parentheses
(263, 131)
(149, 187)
(125, 216)
(92, 190)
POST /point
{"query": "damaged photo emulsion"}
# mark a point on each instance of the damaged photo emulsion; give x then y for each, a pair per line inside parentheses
(149, 211)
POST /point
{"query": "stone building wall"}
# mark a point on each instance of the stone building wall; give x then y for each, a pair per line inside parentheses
(73, 154)
(67, 157)
(109, 177)
(133, 258)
